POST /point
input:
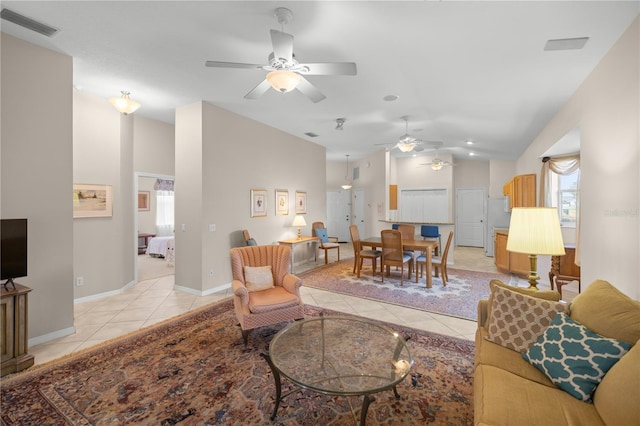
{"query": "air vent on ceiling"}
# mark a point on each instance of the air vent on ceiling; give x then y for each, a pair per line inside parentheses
(311, 134)
(566, 43)
(28, 23)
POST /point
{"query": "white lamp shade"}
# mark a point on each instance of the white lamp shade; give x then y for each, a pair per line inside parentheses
(299, 221)
(124, 104)
(535, 230)
(283, 81)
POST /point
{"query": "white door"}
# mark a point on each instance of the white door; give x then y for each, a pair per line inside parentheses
(358, 211)
(339, 214)
(470, 217)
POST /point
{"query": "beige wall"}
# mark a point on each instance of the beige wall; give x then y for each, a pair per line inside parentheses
(36, 175)
(235, 155)
(147, 219)
(607, 111)
(154, 147)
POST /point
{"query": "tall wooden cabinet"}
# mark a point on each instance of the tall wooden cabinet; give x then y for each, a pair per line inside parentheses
(14, 330)
(521, 191)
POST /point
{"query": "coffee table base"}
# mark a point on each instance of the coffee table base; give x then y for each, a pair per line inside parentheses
(367, 398)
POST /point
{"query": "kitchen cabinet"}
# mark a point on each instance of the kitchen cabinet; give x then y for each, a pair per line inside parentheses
(506, 261)
(521, 191)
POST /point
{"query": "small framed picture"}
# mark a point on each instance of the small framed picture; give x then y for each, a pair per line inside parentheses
(301, 202)
(282, 202)
(258, 202)
(144, 201)
(91, 200)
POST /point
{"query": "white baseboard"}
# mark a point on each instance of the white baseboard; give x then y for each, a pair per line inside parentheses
(202, 293)
(52, 336)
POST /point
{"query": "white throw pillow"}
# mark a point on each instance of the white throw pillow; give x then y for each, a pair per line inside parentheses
(258, 278)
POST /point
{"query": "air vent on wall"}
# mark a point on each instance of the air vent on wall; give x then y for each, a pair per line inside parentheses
(28, 23)
(311, 134)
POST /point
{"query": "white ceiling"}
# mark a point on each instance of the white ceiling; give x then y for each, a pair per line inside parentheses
(462, 69)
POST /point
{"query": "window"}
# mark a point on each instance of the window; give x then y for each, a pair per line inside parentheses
(565, 189)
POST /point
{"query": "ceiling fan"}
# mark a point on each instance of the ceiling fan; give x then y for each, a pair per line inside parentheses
(437, 164)
(406, 143)
(285, 72)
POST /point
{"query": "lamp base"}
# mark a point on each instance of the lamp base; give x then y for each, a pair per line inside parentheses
(299, 233)
(533, 274)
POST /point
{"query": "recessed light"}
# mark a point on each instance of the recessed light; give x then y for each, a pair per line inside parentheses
(469, 142)
(472, 154)
(391, 98)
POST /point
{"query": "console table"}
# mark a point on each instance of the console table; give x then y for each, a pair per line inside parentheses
(14, 311)
(292, 243)
(563, 269)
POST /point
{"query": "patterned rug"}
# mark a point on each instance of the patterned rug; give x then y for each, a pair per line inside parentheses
(194, 370)
(459, 298)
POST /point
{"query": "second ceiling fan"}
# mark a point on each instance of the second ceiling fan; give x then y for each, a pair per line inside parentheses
(285, 72)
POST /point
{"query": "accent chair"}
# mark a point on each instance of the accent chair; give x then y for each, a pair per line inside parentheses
(264, 292)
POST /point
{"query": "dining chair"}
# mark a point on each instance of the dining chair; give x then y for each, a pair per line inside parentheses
(361, 255)
(392, 253)
(439, 263)
(408, 233)
(326, 243)
(431, 232)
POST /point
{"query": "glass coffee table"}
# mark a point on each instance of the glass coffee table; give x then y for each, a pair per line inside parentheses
(339, 356)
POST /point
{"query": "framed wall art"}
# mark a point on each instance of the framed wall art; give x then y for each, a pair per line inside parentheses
(282, 202)
(301, 202)
(258, 202)
(144, 201)
(91, 200)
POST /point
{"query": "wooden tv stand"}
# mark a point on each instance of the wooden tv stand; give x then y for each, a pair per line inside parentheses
(14, 312)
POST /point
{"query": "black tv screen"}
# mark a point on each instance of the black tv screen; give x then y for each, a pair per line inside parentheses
(13, 249)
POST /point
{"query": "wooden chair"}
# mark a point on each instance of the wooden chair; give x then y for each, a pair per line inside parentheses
(392, 254)
(438, 262)
(256, 303)
(247, 239)
(361, 255)
(325, 243)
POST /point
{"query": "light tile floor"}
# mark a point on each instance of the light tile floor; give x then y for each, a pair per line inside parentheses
(155, 300)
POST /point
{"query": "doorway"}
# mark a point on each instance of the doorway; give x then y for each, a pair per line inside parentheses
(470, 217)
(339, 214)
(146, 216)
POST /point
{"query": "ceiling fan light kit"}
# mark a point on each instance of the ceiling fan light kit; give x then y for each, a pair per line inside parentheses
(124, 104)
(283, 81)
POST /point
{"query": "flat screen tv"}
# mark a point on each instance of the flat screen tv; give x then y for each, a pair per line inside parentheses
(13, 250)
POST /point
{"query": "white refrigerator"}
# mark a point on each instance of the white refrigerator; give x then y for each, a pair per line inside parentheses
(497, 217)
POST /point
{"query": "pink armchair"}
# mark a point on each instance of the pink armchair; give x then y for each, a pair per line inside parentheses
(256, 306)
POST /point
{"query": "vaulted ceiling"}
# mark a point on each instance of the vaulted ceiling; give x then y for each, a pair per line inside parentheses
(461, 70)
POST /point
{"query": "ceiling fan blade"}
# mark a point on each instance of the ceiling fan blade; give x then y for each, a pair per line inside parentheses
(309, 90)
(259, 90)
(218, 64)
(329, 68)
(282, 45)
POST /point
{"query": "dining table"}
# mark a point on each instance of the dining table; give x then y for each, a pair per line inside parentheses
(426, 246)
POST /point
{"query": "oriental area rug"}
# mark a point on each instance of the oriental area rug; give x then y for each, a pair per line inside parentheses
(195, 370)
(458, 299)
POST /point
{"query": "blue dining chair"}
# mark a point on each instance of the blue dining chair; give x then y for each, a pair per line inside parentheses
(395, 226)
(431, 232)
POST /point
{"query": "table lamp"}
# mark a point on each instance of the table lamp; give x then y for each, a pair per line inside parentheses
(299, 221)
(534, 231)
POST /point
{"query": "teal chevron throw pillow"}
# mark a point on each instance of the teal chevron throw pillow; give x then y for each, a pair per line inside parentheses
(573, 357)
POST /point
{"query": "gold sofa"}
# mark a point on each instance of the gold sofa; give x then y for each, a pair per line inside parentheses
(508, 390)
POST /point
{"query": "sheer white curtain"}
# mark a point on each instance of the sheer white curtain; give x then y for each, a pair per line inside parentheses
(164, 213)
(164, 207)
(562, 166)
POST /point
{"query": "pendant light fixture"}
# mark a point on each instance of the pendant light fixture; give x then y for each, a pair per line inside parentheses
(347, 184)
(124, 104)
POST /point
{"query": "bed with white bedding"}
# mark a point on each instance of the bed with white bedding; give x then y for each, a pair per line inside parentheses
(161, 246)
